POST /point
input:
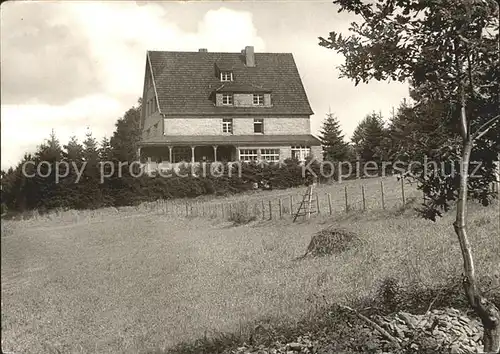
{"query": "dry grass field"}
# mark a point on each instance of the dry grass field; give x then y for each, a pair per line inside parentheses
(372, 189)
(131, 281)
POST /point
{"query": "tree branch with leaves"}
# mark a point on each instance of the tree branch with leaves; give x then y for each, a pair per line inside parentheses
(448, 51)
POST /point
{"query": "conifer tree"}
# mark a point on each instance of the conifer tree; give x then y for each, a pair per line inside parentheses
(93, 197)
(104, 150)
(369, 138)
(43, 190)
(73, 150)
(332, 139)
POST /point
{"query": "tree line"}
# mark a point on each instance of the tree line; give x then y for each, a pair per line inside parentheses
(70, 176)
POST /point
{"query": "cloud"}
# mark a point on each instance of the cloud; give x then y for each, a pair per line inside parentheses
(43, 60)
(122, 33)
(228, 30)
(28, 125)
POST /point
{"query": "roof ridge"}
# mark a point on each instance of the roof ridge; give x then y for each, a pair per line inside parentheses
(205, 53)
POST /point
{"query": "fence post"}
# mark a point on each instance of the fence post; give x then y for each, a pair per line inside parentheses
(346, 200)
(222, 209)
(317, 203)
(281, 208)
(291, 204)
(263, 210)
(383, 194)
(329, 203)
(270, 210)
(187, 208)
(230, 208)
(364, 199)
(403, 191)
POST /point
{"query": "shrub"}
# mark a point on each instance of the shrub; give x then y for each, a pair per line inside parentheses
(390, 294)
(26, 194)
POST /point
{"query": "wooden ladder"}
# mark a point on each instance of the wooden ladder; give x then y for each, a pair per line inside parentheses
(307, 205)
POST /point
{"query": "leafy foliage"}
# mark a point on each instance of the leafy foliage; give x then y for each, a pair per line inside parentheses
(443, 49)
(449, 51)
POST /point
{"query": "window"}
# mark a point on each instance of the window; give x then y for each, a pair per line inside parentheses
(271, 155)
(300, 152)
(226, 76)
(258, 99)
(180, 154)
(227, 125)
(258, 125)
(247, 155)
(227, 99)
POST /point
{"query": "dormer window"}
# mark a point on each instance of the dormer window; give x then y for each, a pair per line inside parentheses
(226, 76)
(258, 99)
(227, 99)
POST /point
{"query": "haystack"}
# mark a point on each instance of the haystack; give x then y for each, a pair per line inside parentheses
(332, 240)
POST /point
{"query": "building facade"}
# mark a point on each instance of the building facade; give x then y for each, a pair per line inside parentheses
(202, 106)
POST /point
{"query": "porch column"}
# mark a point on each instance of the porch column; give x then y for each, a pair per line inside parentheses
(192, 153)
(170, 154)
(237, 153)
(215, 152)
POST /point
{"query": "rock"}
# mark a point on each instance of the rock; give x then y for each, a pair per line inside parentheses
(476, 338)
(463, 319)
(408, 319)
(446, 329)
(455, 349)
(295, 346)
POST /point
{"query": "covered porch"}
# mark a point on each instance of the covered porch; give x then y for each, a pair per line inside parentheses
(187, 153)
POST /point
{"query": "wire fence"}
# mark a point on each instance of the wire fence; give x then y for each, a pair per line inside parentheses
(333, 199)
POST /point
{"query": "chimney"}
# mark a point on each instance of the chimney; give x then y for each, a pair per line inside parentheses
(249, 56)
(202, 50)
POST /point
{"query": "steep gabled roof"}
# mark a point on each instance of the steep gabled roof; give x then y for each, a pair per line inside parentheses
(237, 87)
(185, 82)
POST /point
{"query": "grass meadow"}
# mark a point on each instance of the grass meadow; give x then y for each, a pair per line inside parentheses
(368, 194)
(133, 281)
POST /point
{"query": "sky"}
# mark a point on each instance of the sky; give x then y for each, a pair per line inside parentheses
(79, 65)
